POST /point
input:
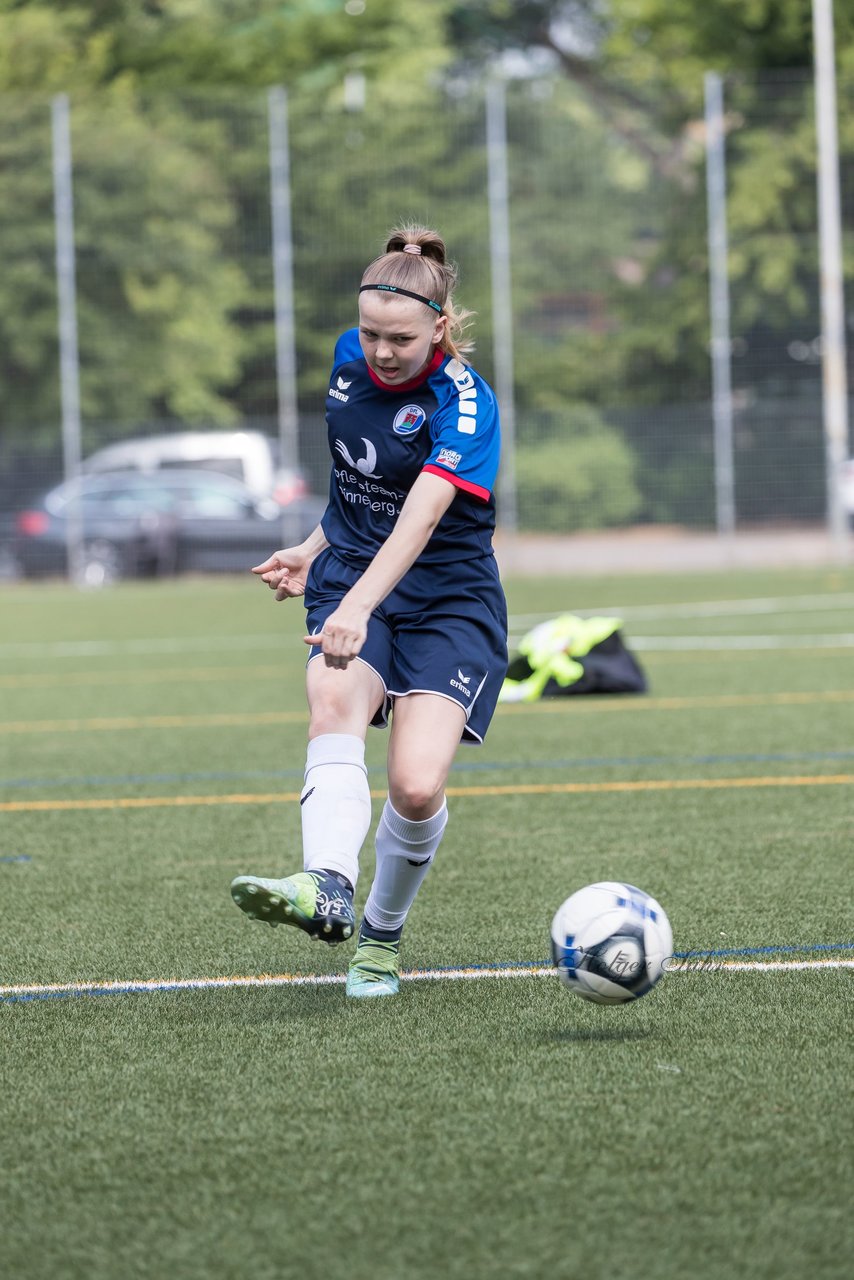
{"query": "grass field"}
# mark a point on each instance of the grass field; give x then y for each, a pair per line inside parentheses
(151, 748)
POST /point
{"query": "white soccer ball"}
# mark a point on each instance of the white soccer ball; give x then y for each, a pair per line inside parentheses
(611, 942)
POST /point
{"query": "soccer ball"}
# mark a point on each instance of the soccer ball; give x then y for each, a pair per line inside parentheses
(611, 942)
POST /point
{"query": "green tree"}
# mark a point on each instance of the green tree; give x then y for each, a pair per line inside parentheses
(171, 190)
(180, 44)
(155, 293)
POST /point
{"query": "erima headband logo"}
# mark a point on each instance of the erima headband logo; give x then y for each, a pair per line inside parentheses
(407, 293)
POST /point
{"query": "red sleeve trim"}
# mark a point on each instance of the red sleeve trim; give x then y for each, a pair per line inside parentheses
(475, 490)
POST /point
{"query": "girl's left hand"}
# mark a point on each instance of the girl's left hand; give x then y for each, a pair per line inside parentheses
(342, 635)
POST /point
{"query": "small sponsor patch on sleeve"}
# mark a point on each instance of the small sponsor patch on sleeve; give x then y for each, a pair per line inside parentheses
(449, 458)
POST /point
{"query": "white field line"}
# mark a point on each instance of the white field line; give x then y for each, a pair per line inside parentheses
(705, 608)
(723, 643)
(273, 640)
(473, 974)
(163, 644)
(824, 641)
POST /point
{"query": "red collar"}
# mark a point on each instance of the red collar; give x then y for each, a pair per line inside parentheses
(417, 381)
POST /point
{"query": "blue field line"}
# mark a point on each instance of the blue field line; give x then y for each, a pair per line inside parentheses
(15, 857)
(167, 985)
(129, 779)
(773, 949)
(508, 968)
(473, 766)
(30, 996)
(680, 955)
(761, 951)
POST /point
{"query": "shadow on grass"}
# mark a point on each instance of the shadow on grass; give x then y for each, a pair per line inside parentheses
(581, 1035)
(257, 1007)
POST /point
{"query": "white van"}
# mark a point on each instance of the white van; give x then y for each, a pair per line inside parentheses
(249, 456)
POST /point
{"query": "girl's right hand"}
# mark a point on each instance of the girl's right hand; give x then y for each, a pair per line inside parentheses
(285, 572)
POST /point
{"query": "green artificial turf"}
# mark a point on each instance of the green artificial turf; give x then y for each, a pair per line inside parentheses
(482, 1127)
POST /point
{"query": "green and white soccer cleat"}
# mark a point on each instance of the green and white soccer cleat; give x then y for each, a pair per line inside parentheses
(312, 900)
(373, 970)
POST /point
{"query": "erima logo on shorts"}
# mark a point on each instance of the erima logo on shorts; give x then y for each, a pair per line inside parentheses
(408, 420)
(462, 682)
(467, 407)
(449, 458)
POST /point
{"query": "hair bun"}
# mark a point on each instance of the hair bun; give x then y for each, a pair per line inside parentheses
(416, 239)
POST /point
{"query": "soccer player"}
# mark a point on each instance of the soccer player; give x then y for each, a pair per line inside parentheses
(406, 615)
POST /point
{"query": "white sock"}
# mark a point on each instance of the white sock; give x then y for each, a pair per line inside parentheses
(405, 851)
(335, 804)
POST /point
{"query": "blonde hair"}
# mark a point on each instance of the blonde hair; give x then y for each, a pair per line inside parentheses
(428, 273)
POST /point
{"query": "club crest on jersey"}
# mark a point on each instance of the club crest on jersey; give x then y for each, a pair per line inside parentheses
(408, 420)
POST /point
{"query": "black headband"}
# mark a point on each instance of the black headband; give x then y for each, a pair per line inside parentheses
(407, 293)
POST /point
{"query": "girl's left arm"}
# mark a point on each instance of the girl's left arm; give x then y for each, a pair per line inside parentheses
(345, 630)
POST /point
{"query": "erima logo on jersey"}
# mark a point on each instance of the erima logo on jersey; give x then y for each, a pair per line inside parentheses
(462, 682)
(449, 458)
(338, 392)
(408, 420)
(464, 382)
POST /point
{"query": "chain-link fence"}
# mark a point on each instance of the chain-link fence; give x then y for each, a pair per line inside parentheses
(176, 308)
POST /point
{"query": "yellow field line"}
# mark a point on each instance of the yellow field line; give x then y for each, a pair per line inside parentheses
(578, 705)
(689, 702)
(200, 675)
(96, 723)
(154, 675)
(520, 789)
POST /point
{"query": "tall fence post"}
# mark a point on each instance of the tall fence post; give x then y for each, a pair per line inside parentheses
(834, 382)
(498, 187)
(69, 364)
(283, 285)
(721, 343)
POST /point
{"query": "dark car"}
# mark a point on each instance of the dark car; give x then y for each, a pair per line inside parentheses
(172, 522)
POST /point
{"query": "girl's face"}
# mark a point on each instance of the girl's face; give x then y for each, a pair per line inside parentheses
(397, 335)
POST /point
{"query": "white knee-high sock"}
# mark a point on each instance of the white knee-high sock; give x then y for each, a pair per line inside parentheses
(405, 850)
(335, 804)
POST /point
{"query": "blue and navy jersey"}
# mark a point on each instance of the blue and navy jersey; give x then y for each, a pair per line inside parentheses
(381, 439)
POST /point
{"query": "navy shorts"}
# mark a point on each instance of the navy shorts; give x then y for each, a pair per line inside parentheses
(443, 629)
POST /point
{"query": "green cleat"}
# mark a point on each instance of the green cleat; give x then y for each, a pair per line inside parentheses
(373, 969)
(312, 900)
